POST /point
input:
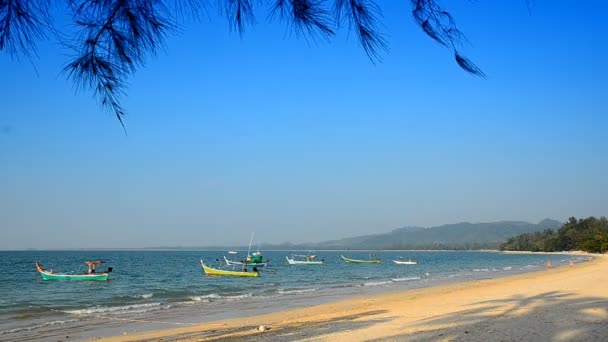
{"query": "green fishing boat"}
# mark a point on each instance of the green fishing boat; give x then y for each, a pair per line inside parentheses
(90, 275)
(356, 261)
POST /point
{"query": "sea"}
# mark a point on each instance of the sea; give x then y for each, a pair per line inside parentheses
(167, 289)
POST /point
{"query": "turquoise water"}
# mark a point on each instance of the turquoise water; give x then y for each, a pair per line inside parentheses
(156, 286)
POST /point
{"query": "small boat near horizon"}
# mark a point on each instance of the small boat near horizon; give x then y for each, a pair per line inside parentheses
(307, 260)
(358, 261)
(90, 275)
(405, 262)
(210, 271)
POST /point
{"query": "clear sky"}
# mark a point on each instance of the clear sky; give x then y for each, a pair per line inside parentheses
(308, 142)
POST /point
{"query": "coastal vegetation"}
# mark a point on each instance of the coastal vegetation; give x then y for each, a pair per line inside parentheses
(589, 235)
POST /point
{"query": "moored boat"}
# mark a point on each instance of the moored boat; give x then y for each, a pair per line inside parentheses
(245, 262)
(91, 275)
(358, 261)
(307, 260)
(210, 271)
(405, 262)
(253, 259)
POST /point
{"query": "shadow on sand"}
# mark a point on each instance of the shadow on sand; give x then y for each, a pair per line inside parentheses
(294, 332)
(550, 316)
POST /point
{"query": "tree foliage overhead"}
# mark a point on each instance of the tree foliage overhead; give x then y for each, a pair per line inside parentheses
(589, 235)
(114, 37)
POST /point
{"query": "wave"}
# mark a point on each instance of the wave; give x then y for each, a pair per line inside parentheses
(216, 297)
(133, 308)
(508, 268)
(237, 297)
(481, 270)
(205, 298)
(377, 283)
(144, 296)
(460, 275)
(295, 291)
(406, 279)
(38, 326)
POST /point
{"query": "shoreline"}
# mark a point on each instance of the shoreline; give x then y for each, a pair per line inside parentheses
(450, 311)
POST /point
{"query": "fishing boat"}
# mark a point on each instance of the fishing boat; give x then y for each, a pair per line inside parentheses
(245, 262)
(405, 262)
(357, 261)
(90, 275)
(306, 260)
(253, 259)
(210, 271)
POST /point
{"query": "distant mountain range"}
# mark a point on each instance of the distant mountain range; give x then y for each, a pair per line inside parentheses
(457, 236)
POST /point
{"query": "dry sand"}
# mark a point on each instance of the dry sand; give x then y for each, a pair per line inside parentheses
(557, 304)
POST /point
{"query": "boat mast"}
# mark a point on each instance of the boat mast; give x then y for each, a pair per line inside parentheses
(250, 242)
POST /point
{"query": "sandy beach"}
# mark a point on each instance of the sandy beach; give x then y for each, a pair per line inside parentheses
(556, 304)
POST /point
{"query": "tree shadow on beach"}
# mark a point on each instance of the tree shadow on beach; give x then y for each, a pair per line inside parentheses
(292, 332)
(550, 316)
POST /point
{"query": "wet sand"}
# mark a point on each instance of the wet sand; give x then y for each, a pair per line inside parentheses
(556, 304)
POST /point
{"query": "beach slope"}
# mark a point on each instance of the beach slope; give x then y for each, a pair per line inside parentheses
(557, 304)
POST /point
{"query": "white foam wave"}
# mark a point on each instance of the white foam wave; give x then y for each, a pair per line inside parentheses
(508, 268)
(237, 297)
(38, 326)
(377, 283)
(213, 296)
(459, 275)
(144, 296)
(295, 291)
(481, 270)
(205, 298)
(134, 308)
(199, 299)
(406, 279)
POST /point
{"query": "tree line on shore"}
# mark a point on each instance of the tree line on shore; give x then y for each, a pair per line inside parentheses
(589, 235)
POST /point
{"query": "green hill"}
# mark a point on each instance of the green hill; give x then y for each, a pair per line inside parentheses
(461, 236)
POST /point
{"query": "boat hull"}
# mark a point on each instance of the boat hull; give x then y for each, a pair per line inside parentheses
(398, 262)
(46, 275)
(356, 261)
(210, 271)
(255, 264)
(302, 262)
(86, 277)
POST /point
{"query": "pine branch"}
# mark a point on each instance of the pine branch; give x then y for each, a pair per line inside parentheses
(116, 37)
(22, 23)
(440, 26)
(307, 17)
(362, 16)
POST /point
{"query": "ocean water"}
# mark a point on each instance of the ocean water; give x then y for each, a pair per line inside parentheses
(161, 289)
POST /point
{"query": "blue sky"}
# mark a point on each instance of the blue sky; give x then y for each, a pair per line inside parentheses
(302, 141)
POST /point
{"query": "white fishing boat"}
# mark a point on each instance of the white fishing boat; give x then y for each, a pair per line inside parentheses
(245, 262)
(253, 259)
(405, 262)
(304, 260)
